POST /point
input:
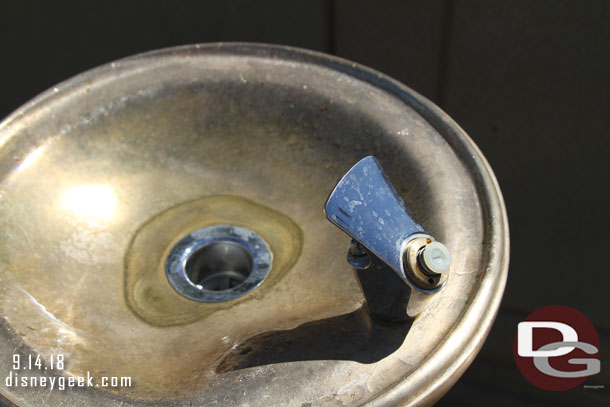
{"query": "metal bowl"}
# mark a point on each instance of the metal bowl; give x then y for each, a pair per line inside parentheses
(103, 174)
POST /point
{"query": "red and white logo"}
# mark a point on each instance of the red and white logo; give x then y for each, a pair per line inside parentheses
(557, 348)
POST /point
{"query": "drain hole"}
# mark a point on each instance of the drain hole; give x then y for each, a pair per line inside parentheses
(219, 265)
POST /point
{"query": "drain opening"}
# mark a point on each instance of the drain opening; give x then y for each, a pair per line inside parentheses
(219, 265)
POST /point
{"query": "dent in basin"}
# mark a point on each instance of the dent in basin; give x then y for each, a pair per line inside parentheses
(147, 291)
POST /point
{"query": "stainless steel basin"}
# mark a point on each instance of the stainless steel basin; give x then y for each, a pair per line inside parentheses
(102, 175)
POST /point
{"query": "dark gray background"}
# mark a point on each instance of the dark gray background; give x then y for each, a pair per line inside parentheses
(527, 79)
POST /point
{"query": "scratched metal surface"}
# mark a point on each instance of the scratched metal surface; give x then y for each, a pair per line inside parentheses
(140, 151)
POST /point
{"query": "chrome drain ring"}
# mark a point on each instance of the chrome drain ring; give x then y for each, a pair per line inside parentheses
(218, 263)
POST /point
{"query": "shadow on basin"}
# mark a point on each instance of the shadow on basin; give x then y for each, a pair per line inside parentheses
(354, 336)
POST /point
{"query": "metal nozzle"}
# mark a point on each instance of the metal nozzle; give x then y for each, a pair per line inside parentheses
(365, 205)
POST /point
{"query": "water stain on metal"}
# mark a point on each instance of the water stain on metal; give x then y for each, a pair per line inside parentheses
(147, 290)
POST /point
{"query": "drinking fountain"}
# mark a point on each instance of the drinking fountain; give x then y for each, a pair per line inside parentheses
(242, 224)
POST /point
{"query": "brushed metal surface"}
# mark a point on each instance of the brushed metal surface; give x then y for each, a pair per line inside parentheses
(250, 135)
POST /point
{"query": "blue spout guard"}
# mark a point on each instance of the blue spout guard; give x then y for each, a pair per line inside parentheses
(365, 205)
